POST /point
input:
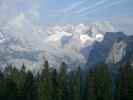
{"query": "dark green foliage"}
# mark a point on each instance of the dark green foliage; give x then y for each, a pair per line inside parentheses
(45, 85)
(51, 84)
(8, 88)
(54, 93)
(77, 85)
(18, 76)
(11, 90)
(91, 86)
(125, 83)
(103, 83)
(29, 87)
(62, 83)
(99, 84)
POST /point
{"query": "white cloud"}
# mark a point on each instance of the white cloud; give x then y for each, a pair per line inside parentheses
(9, 9)
(18, 21)
(21, 23)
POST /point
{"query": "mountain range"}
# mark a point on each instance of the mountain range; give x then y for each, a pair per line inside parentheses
(76, 45)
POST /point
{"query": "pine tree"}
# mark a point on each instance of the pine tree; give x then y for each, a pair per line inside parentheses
(11, 90)
(77, 85)
(1, 75)
(124, 86)
(103, 83)
(54, 85)
(99, 84)
(2, 86)
(29, 87)
(91, 85)
(18, 77)
(8, 90)
(70, 88)
(45, 88)
(62, 83)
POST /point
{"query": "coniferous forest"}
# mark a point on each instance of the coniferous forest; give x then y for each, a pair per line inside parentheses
(51, 84)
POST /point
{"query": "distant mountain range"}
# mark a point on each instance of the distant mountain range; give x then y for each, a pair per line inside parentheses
(76, 45)
(13, 52)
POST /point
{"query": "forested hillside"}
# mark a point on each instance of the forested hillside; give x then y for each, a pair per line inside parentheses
(79, 84)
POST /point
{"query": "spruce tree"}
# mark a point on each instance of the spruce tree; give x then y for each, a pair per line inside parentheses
(11, 90)
(124, 85)
(62, 82)
(77, 85)
(2, 86)
(45, 86)
(17, 76)
(29, 87)
(70, 83)
(91, 86)
(54, 93)
(99, 84)
(103, 83)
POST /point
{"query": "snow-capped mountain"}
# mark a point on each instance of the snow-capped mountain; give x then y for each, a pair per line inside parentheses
(81, 34)
(68, 41)
(74, 44)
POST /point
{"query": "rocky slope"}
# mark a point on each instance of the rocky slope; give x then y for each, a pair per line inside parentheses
(116, 48)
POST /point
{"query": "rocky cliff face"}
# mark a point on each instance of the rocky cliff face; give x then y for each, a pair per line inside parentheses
(116, 48)
(117, 52)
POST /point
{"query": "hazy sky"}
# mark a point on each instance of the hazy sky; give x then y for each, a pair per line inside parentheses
(45, 12)
(78, 11)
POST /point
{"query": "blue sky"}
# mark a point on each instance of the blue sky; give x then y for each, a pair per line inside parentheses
(51, 12)
(67, 11)
(82, 11)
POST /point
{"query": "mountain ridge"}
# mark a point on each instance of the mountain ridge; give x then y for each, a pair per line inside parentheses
(72, 45)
